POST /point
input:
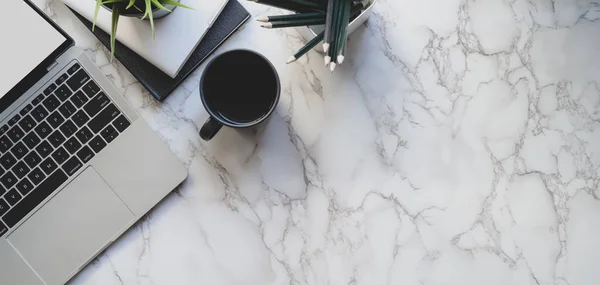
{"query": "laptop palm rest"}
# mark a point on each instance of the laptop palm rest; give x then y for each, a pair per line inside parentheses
(71, 228)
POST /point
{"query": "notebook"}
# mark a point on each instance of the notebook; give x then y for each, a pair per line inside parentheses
(177, 35)
(159, 84)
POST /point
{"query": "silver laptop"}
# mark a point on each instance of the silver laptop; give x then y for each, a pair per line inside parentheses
(78, 166)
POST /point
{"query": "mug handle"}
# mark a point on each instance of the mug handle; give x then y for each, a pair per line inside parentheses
(210, 129)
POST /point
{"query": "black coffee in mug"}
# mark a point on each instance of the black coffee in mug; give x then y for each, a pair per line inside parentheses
(239, 89)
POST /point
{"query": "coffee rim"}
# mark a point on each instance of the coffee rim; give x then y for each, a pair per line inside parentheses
(240, 125)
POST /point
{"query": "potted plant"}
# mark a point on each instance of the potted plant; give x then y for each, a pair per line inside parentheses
(142, 9)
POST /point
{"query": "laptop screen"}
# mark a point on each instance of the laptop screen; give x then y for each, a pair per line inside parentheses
(28, 41)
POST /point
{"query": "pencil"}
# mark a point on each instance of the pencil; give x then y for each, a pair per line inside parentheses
(327, 38)
(293, 5)
(343, 33)
(335, 39)
(332, 32)
(300, 16)
(296, 23)
(311, 44)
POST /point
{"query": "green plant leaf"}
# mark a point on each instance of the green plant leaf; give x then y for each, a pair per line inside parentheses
(160, 6)
(150, 16)
(131, 3)
(175, 3)
(113, 34)
(98, 4)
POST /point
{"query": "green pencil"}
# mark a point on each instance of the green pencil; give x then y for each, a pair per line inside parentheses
(299, 16)
(295, 23)
(334, 49)
(343, 34)
(332, 31)
(311, 44)
(329, 19)
(292, 5)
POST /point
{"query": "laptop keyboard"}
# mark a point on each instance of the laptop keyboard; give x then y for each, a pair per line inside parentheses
(50, 139)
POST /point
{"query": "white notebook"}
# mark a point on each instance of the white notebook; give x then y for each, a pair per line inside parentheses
(177, 35)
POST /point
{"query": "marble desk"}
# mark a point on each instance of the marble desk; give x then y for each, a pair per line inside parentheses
(458, 145)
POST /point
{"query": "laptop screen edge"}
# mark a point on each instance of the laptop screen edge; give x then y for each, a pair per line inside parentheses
(41, 69)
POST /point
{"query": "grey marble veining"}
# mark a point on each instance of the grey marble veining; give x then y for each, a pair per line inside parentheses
(458, 144)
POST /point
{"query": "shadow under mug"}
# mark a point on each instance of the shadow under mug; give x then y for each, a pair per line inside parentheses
(239, 89)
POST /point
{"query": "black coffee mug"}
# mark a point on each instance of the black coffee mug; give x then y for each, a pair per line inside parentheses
(239, 89)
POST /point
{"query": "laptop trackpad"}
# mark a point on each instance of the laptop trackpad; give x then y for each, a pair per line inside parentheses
(71, 228)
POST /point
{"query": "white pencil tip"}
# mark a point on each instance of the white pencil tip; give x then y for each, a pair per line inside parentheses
(263, 19)
(291, 59)
(267, 25)
(340, 59)
(325, 47)
(327, 60)
(332, 67)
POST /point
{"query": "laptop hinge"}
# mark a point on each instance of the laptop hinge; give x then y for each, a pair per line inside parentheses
(52, 65)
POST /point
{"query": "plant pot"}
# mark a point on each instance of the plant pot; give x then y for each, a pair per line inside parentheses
(133, 12)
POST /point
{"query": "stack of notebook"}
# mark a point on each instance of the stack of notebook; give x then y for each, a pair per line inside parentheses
(188, 37)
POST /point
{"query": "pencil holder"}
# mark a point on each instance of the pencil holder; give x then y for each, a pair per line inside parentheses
(310, 32)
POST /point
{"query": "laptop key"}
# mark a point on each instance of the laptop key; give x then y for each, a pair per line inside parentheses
(40, 193)
(3, 129)
(84, 135)
(15, 134)
(78, 79)
(3, 207)
(38, 99)
(55, 120)
(68, 128)
(63, 92)
(80, 118)
(91, 89)
(103, 118)
(96, 104)
(79, 99)
(51, 103)
(8, 180)
(36, 176)
(20, 169)
(67, 109)
(48, 166)
(5, 144)
(7, 160)
(39, 113)
(97, 144)
(72, 145)
(60, 155)
(3, 229)
(85, 154)
(2, 190)
(14, 120)
(50, 89)
(107, 131)
(27, 123)
(24, 186)
(12, 197)
(56, 139)
(61, 79)
(73, 68)
(121, 123)
(72, 165)
(32, 159)
(43, 130)
(31, 140)
(44, 149)
(26, 109)
(19, 150)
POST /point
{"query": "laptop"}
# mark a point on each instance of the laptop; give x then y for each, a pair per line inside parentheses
(78, 166)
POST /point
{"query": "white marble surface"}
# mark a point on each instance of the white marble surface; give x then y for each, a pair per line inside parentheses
(460, 145)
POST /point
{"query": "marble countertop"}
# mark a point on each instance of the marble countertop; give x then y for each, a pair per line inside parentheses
(458, 145)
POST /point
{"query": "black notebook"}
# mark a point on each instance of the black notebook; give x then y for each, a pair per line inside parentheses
(160, 85)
